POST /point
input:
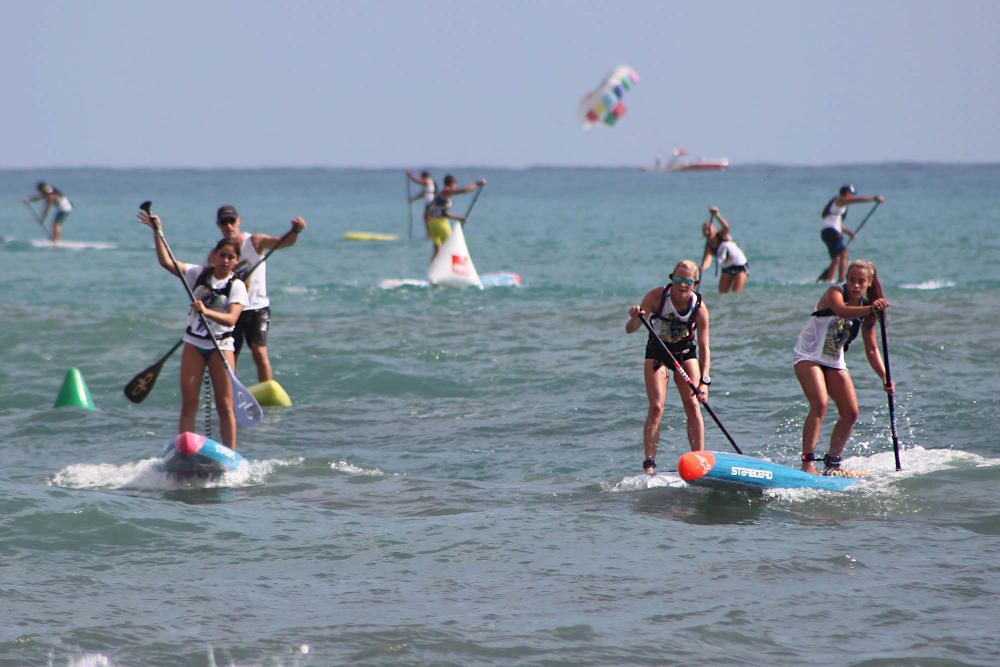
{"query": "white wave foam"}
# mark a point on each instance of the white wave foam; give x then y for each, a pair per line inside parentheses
(148, 474)
(929, 284)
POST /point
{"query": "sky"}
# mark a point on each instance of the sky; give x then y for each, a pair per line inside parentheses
(386, 83)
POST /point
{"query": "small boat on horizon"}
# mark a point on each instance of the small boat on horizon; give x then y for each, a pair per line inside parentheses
(680, 162)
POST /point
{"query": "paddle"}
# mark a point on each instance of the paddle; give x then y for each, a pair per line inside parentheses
(888, 379)
(141, 385)
(37, 217)
(690, 384)
(825, 275)
(475, 198)
(409, 204)
(248, 411)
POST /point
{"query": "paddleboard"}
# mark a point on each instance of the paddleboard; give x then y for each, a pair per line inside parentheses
(453, 267)
(194, 455)
(73, 245)
(369, 236)
(270, 394)
(487, 280)
(723, 470)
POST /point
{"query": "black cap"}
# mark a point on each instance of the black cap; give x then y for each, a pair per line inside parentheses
(227, 211)
(844, 190)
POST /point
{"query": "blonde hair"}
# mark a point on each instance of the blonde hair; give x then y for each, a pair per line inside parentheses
(691, 266)
(874, 285)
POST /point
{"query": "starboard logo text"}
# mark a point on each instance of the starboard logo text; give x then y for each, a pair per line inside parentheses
(738, 471)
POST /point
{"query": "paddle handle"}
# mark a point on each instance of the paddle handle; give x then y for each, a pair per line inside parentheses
(680, 370)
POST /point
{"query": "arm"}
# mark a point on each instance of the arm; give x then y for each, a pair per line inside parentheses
(874, 356)
(704, 350)
(471, 186)
(706, 260)
(834, 300)
(859, 199)
(265, 241)
(153, 222)
(650, 304)
(413, 177)
(227, 318)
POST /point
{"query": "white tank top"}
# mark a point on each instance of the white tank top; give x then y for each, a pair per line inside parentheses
(257, 282)
(835, 218)
(729, 254)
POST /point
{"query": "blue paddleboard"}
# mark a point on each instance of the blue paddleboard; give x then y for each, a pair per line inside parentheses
(194, 455)
(723, 470)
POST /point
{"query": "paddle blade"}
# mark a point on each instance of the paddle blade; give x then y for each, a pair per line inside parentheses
(248, 410)
(141, 385)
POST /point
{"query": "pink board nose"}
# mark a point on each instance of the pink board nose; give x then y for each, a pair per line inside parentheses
(188, 443)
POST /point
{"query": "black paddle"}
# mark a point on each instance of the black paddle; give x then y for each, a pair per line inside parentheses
(248, 410)
(37, 217)
(888, 379)
(475, 198)
(825, 275)
(141, 385)
(690, 384)
(409, 204)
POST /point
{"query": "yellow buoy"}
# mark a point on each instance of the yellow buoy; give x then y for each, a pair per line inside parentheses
(270, 394)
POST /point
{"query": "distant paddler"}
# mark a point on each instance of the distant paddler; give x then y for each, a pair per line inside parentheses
(719, 244)
(52, 198)
(833, 229)
(255, 321)
(439, 211)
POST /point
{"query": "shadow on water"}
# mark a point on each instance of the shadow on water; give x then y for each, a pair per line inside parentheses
(703, 506)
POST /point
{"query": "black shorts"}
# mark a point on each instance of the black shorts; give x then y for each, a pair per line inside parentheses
(252, 326)
(736, 270)
(682, 352)
(834, 241)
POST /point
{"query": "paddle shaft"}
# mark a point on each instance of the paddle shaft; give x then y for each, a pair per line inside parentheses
(475, 198)
(409, 204)
(888, 379)
(35, 215)
(690, 384)
(863, 221)
(284, 237)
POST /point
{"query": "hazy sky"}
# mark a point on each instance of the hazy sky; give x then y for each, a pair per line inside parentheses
(494, 83)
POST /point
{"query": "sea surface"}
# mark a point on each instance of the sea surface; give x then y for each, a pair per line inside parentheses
(459, 479)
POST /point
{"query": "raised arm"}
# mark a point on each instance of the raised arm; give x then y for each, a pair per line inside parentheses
(266, 241)
(153, 222)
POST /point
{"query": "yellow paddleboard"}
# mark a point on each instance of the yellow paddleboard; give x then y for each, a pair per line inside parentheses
(270, 394)
(370, 236)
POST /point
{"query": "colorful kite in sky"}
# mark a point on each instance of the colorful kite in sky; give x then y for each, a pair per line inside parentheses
(604, 103)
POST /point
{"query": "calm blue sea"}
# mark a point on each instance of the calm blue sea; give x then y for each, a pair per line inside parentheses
(458, 481)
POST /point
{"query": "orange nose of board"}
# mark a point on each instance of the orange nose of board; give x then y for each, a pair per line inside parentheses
(695, 465)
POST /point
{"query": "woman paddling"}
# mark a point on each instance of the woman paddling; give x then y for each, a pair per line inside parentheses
(681, 320)
(732, 260)
(221, 297)
(840, 314)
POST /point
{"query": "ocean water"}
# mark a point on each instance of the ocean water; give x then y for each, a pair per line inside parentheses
(458, 481)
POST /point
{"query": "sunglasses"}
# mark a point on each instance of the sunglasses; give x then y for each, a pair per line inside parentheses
(677, 280)
(227, 222)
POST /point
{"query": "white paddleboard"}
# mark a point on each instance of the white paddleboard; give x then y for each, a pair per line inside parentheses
(487, 280)
(453, 266)
(73, 245)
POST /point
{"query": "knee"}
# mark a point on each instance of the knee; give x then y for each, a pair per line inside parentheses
(818, 409)
(655, 413)
(849, 414)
